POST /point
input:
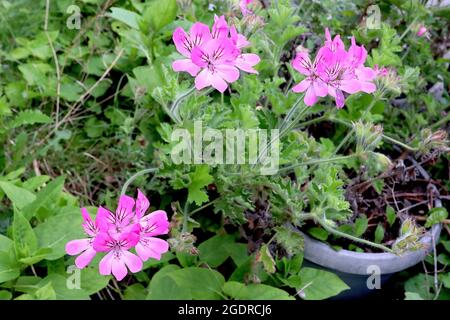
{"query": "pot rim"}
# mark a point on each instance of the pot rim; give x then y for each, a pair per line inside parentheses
(365, 263)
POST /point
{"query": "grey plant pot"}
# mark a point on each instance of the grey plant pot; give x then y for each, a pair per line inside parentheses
(355, 267)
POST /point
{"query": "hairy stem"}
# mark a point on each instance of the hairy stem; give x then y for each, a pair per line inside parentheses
(134, 176)
(350, 237)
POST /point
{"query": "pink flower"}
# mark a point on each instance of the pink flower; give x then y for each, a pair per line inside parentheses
(116, 233)
(216, 59)
(422, 30)
(334, 71)
(118, 257)
(243, 5)
(151, 225)
(84, 246)
(312, 84)
(185, 43)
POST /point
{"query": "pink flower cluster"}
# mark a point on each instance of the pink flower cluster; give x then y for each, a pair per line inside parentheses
(116, 233)
(334, 71)
(214, 57)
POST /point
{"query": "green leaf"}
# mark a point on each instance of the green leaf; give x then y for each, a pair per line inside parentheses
(361, 225)
(292, 241)
(25, 241)
(161, 13)
(56, 231)
(186, 259)
(62, 290)
(5, 295)
(436, 215)
(240, 291)
(30, 117)
(445, 279)
(48, 194)
(420, 285)
(202, 283)
(20, 197)
(41, 254)
(391, 216)
(91, 281)
(446, 245)
(27, 284)
(200, 178)
(135, 292)
(213, 252)
(163, 287)
(412, 296)
(319, 284)
(5, 243)
(318, 233)
(266, 258)
(9, 269)
(46, 292)
(379, 233)
(94, 128)
(130, 18)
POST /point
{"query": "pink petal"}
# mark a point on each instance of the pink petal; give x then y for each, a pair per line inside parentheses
(198, 57)
(133, 262)
(302, 63)
(350, 86)
(185, 65)
(220, 27)
(203, 79)
(180, 38)
(224, 46)
(320, 88)
(199, 33)
(154, 224)
(105, 264)
(101, 242)
(142, 204)
(124, 211)
(74, 247)
(246, 61)
(368, 87)
(85, 258)
(218, 83)
(149, 247)
(118, 268)
(310, 97)
(88, 225)
(129, 240)
(228, 73)
(340, 99)
(103, 218)
(302, 86)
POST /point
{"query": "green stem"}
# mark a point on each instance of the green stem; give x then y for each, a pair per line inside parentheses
(203, 207)
(313, 121)
(401, 144)
(408, 28)
(350, 237)
(384, 136)
(350, 133)
(442, 121)
(282, 125)
(318, 161)
(134, 176)
(176, 103)
(185, 216)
